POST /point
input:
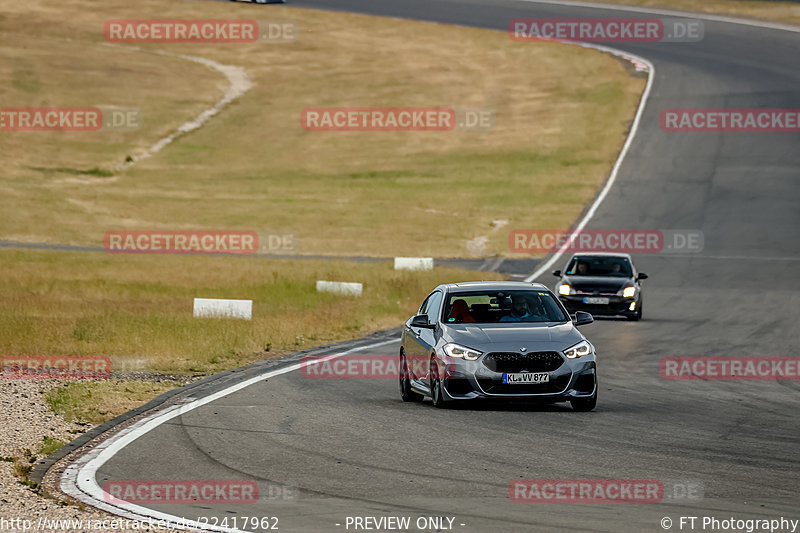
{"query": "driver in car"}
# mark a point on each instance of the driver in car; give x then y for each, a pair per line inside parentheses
(519, 310)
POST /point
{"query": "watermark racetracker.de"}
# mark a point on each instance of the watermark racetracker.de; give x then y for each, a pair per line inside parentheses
(75, 119)
(634, 241)
(730, 368)
(365, 366)
(772, 120)
(181, 492)
(604, 491)
(351, 119)
(200, 242)
(222, 31)
(610, 30)
(55, 367)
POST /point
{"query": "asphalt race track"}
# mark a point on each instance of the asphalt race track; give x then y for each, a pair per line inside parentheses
(352, 448)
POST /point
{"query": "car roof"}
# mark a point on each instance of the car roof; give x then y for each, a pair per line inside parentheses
(492, 286)
(602, 254)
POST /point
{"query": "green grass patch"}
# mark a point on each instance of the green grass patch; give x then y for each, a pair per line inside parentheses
(138, 309)
(49, 445)
(561, 116)
(100, 173)
(95, 402)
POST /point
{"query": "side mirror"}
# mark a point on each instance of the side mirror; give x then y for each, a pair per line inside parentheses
(641, 275)
(557, 273)
(582, 318)
(421, 321)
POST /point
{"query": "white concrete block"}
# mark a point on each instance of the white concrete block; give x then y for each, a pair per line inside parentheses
(340, 287)
(218, 308)
(413, 263)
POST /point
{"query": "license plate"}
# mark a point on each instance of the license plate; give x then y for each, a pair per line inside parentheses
(526, 378)
(595, 300)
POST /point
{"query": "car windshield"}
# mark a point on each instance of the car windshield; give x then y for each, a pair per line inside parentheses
(489, 307)
(591, 265)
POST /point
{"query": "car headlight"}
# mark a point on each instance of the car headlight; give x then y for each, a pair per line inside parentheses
(628, 292)
(565, 290)
(456, 350)
(579, 350)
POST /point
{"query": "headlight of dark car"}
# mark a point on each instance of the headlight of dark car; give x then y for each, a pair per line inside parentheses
(629, 291)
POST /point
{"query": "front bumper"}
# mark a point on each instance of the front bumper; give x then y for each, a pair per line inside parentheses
(466, 380)
(617, 305)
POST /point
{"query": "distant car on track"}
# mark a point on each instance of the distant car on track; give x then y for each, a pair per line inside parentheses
(501, 340)
(602, 284)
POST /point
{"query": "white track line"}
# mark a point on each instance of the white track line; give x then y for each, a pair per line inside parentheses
(615, 170)
(79, 479)
(612, 178)
(670, 13)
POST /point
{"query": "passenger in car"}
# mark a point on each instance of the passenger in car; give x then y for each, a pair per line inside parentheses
(460, 313)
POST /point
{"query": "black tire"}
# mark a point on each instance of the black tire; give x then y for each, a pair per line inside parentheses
(436, 385)
(583, 405)
(406, 393)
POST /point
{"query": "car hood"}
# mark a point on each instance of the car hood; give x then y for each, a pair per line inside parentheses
(597, 283)
(512, 336)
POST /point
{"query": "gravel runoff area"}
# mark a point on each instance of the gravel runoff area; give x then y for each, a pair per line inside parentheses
(25, 419)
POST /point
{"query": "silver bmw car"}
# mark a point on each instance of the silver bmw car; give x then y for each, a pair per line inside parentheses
(503, 340)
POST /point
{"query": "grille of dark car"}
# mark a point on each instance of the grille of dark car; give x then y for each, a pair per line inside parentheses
(517, 362)
(604, 289)
(595, 293)
(554, 386)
